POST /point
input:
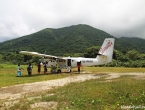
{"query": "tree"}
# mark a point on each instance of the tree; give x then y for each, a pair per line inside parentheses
(0, 56)
(132, 54)
(91, 52)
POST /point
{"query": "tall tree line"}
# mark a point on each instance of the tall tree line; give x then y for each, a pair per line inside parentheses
(131, 58)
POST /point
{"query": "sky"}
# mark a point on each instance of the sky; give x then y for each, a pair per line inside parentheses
(116, 17)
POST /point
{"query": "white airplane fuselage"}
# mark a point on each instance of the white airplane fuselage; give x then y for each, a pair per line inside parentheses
(73, 62)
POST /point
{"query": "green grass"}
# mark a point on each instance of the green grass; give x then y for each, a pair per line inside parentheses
(8, 74)
(113, 69)
(95, 95)
(88, 95)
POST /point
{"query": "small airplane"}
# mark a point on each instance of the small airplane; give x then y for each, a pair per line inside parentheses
(104, 56)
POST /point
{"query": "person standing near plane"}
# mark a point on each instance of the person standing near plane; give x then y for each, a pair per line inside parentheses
(39, 67)
(29, 69)
(19, 73)
(79, 65)
(45, 67)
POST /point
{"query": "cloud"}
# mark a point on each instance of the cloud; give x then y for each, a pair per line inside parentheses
(116, 17)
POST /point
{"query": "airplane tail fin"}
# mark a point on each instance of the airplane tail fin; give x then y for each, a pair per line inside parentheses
(106, 51)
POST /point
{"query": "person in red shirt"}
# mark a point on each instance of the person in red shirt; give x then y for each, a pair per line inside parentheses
(39, 67)
(79, 65)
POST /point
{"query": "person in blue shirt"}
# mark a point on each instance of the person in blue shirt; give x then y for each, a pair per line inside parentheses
(19, 73)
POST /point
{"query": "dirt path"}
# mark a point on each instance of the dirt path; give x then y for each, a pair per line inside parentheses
(13, 93)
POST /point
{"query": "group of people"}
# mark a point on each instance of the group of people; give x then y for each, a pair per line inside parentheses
(53, 69)
(29, 70)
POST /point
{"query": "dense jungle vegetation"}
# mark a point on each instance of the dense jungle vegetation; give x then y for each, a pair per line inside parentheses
(77, 40)
(130, 58)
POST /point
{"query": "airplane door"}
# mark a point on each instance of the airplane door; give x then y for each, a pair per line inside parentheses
(68, 62)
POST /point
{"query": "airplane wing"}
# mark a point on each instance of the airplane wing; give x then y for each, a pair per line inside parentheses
(39, 54)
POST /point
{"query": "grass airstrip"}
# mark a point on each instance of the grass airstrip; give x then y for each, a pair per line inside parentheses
(124, 92)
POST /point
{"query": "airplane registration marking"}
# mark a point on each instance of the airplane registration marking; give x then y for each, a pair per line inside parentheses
(87, 61)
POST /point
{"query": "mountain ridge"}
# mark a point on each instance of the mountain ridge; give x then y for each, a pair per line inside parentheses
(71, 39)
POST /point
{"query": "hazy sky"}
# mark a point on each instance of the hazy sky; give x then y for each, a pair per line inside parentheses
(116, 17)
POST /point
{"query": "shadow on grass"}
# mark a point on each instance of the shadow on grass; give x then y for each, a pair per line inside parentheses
(35, 75)
(46, 74)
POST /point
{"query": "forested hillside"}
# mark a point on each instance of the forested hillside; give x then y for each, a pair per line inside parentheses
(73, 39)
(135, 43)
(57, 41)
(76, 40)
